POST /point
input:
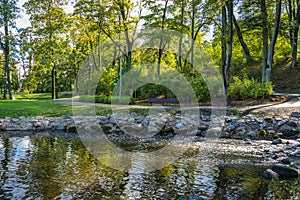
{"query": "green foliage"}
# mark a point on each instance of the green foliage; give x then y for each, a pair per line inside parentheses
(151, 90)
(200, 88)
(107, 82)
(245, 88)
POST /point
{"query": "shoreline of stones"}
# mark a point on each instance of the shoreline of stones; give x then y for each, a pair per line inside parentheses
(246, 127)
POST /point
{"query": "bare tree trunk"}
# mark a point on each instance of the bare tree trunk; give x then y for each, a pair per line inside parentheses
(53, 78)
(160, 51)
(241, 39)
(265, 39)
(193, 32)
(290, 12)
(230, 39)
(7, 50)
(180, 39)
(128, 42)
(295, 38)
(273, 40)
(223, 64)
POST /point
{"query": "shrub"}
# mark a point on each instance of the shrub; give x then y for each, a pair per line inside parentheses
(200, 88)
(246, 88)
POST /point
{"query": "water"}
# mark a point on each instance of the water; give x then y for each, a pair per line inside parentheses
(52, 167)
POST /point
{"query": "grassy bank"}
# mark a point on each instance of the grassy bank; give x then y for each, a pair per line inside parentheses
(30, 105)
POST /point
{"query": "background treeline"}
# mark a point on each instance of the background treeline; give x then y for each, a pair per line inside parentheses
(248, 37)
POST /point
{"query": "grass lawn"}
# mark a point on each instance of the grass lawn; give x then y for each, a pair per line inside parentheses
(30, 105)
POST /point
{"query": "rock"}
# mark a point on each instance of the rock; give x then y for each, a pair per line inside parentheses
(277, 141)
(72, 129)
(112, 120)
(292, 123)
(277, 135)
(270, 174)
(37, 124)
(7, 119)
(280, 123)
(251, 133)
(286, 161)
(229, 128)
(39, 118)
(295, 114)
(178, 125)
(60, 128)
(288, 131)
(14, 120)
(285, 172)
(131, 120)
(202, 128)
(224, 135)
(268, 120)
(214, 132)
(140, 119)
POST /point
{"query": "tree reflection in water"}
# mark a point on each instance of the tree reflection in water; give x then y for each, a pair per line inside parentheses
(55, 167)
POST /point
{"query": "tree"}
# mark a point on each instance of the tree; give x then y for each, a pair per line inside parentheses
(241, 39)
(268, 51)
(49, 24)
(265, 39)
(227, 54)
(295, 25)
(8, 14)
(274, 38)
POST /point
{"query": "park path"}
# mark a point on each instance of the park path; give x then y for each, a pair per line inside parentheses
(293, 103)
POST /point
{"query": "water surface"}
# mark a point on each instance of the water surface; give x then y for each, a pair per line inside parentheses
(54, 167)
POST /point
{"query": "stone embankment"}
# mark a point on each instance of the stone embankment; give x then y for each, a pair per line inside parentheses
(287, 127)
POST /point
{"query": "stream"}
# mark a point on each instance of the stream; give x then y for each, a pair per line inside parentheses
(58, 166)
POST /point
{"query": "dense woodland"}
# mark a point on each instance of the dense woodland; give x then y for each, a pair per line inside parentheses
(47, 55)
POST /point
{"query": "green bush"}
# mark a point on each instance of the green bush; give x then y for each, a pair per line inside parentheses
(246, 88)
(200, 88)
(105, 99)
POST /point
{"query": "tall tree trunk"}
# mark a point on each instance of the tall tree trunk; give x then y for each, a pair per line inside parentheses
(193, 32)
(290, 11)
(160, 51)
(53, 78)
(223, 64)
(295, 38)
(230, 40)
(7, 49)
(241, 39)
(128, 42)
(265, 39)
(273, 40)
(180, 39)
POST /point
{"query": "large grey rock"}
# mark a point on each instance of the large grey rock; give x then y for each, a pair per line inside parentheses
(270, 174)
(285, 171)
